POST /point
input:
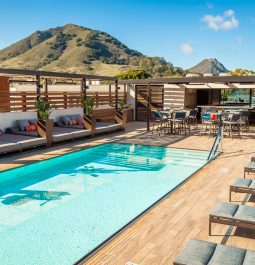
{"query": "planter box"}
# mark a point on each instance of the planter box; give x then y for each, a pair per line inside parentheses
(121, 118)
(90, 123)
(45, 129)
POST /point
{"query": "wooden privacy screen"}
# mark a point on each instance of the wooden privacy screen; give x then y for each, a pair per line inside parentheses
(25, 101)
(157, 100)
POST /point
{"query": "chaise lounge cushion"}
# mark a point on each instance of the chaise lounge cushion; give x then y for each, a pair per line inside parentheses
(226, 255)
(199, 252)
(225, 209)
(243, 183)
(249, 257)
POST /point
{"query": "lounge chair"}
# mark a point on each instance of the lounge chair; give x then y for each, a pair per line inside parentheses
(249, 168)
(234, 215)
(240, 185)
(200, 252)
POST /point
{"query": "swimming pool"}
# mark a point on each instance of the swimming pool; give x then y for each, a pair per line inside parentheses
(58, 210)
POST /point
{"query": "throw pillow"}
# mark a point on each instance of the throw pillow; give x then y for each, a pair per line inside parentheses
(22, 124)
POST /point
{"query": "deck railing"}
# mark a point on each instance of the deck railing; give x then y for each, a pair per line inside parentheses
(216, 144)
(25, 101)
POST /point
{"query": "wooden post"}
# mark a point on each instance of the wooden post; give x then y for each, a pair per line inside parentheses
(38, 87)
(46, 89)
(65, 100)
(24, 104)
(116, 95)
(96, 95)
(5, 93)
(250, 100)
(148, 106)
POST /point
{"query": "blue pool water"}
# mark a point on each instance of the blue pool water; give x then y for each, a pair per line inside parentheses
(58, 210)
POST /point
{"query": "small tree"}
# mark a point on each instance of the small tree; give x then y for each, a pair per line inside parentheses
(242, 72)
(134, 74)
(44, 109)
(88, 105)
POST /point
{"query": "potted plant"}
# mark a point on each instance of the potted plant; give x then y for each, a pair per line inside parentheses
(88, 104)
(121, 113)
(44, 124)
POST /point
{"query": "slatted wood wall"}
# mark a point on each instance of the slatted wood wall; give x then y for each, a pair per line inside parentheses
(25, 101)
(174, 97)
(157, 100)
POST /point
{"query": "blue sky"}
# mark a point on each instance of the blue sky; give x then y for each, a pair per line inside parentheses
(183, 32)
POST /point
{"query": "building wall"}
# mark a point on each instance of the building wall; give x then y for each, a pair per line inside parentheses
(174, 96)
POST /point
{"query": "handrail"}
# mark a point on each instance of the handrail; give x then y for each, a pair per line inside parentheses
(214, 146)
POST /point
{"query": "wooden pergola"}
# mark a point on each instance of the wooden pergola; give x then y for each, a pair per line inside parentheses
(195, 82)
(40, 79)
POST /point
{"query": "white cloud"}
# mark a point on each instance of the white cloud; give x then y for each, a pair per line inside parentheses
(186, 48)
(226, 22)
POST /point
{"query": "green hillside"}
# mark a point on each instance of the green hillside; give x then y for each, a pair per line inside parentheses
(73, 48)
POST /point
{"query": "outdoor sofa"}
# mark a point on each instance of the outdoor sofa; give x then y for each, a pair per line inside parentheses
(65, 129)
(17, 138)
(234, 215)
(199, 252)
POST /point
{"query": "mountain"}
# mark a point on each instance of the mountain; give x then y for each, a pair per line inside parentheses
(206, 66)
(73, 48)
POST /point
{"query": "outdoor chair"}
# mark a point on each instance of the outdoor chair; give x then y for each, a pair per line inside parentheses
(245, 120)
(240, 185)
(200, 252)
(179, 122)
(249, 168)
(210, 124)
(234, 215)
(232, 124)
(192, 117)
(159, 123)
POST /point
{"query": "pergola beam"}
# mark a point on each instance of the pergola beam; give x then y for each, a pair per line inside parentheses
(19, 72)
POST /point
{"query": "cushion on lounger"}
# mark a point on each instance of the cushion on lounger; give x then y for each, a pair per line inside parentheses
(250, 165)
(224, 209)
(22, 124)
(196, 252)
(249, 257)
(241, 182)
(246, 213)
(66, 120)
(226, 255)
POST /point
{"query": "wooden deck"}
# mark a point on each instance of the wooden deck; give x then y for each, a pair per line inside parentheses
(159, 235)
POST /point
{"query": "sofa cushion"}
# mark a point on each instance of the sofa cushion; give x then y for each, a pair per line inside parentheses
(31, 128)
(22, 124)
(75, 117)
(32, 121)
(66, 120)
